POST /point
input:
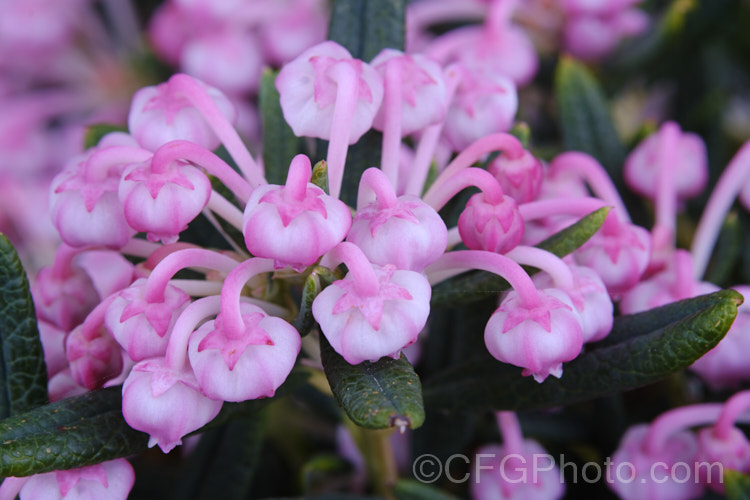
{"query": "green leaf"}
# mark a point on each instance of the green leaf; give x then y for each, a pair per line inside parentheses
(478, 285)
(320, 175)
(407, 489)
(379, 395)
(365, 27)
(318, 279)
(94, 133)
(280, 144)
(23, 373)
(585, 117)
(737, 485)
(657, 343)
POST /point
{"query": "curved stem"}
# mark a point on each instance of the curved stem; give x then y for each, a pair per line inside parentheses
(559, 206)
(511, 146)
(365, 279)
(392, 107)
(157, 282)
(495, 263)
(95, 319)
(544, 261)
(11, 486)
(140, 248)
(443, 48)
(684, 283)
(735, 176)
(510, 430)
(595, 176)
(499, 16)
(493, 192)
(101, 161)
(231, 315)
(347, 94)
(733, 408)
(428, 142)
(184, 326)
(300, 173)
(62, 265)
(673, 421)
(225, 209)
(197, 288)
(185, 150)
(197, 95)
(375, 182)
(666, 191)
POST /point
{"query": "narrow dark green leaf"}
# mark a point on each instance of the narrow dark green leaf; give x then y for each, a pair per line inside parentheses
(318, 279)
(585, 118)
(224, 462)
(737, 485)
(652, 355)
(365, 27)
(23, 373)
(379, 395)
(727, 252)
(407, 489)
(94, 133)
(280, 144)
(478, 285)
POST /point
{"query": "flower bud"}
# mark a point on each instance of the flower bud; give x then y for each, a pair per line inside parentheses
(94, 356)
(520, 178)
(110, 480)
(497, 228)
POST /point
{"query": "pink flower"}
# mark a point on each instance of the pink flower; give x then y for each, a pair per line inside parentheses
(495, 227)
(64, 300)
(365, 325)
(299, 25)
(309, 86)
(252, 366)
(142, 327)
(732, 452)
(520, 178)
(296, 223)
(165, 404)
(162, 113)
(94, 356)
(110, 480)
(538, 339)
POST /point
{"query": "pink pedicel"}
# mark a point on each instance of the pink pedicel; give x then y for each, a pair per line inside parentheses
(538, 337)
(252, 364)
(514, 470)
(160, 198)
(374, 311)
(164, 113)
(690, 166)
(141, 326)
(487, 224)
(725, 366)
(294, 224)
(521, 178)
(648, 472)
(619, 253)
(165, 403)
(484, 104)
(110, 480)
(590, 299)
(403, 231)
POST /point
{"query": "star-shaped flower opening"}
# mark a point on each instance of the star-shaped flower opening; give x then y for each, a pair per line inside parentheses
(158, 314)
(155, 181)
(371, 306)
(505, 212)
(289, 208)
(615, 237)
(377, 215)
(168, 102)
(413, 77)
(231, 347)
(68, 479)
(540, 314)
(163, 377)
(325, 87)
(91, 190)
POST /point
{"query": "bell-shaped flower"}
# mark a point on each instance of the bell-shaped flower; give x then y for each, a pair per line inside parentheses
(520, 178)
(374, 311)
(420, 86)
(538, 337)
(110, 480)
(527, 474)
(728, 452)
(93, 355)
(484, 104)
(164, 403)
(296, 223)
(619, 253)
(403, 231)
(141, 326)
(309, 90)
(496, 227)
(299, 24)
(638, 472)
(164, 113)
(161, 198)
(690, 166)
(64, 299)
(251, 365)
